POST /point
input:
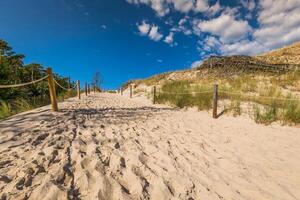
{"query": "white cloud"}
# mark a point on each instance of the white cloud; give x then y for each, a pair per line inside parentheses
(183, 5)
(182, 21)
(248, 4)
(159, 6)
(144, 28)
(151, 31)
(154, 34)
(279, 22)
(163, 7)
(170, 38)
(182, 26)
(204, 7)
(243, 47)
(226, 27)
(196, 64)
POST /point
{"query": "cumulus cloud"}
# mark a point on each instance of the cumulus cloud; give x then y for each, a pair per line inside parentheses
(226, 27)
(182, 26)
(248, 4)
(275, 23)
(243, 47)
(279, 22)
(151, 31)
(163, 7)
(154, 34)
(196, 64)
(204, 7)
(144, 28)
(170, 38)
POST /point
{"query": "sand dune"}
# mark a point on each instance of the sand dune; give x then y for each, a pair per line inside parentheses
(107, 146)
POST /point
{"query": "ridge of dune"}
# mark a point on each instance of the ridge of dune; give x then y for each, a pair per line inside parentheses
(107, 146)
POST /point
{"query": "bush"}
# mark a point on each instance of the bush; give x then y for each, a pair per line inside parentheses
(267, 116)
(292, 112)
(5, 110)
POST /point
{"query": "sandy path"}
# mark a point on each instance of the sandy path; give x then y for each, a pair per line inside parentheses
(109, 147)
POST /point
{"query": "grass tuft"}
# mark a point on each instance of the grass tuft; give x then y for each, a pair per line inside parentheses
(5, 110)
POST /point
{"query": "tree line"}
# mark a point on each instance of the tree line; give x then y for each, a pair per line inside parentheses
(14, 71)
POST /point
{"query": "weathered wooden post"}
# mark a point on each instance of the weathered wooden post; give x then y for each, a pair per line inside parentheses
(52, 90)
(69, 83)
(131, 90)
(89, 90)
(94, 88)
(121, 91)
(86, 90)
(78, 89)
(215, 101)
(154, 94)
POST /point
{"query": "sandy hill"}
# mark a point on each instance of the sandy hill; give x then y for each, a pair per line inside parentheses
(286, 55)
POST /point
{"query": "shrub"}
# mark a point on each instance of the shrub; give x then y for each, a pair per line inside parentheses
(292, 112)
(5, 110)
(267, 116)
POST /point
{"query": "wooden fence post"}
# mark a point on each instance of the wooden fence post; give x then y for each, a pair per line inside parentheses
(78, 89)
(131, 90)
(154, 94)
(215, 101)
(89, 91)
(69, 83)
(94, 88)
(121, 91)
(86, 90)
(52, 90)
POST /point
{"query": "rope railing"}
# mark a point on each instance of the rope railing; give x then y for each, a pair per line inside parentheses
(62, 87)
(51, 84)
(215, 96)
(23, 84)
(257, 96)
(74, 86)
(231, 93)
(184, 93)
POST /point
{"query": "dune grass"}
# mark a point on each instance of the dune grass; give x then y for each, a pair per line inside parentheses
(183, 94)
(9, 108)
(271, 104)
(5, 110)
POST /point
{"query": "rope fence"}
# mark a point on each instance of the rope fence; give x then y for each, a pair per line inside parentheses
(23, 84)
(230, 93)
(184, 93)
(52, 82)
(62, 87)
(263, 97)
(215, 96)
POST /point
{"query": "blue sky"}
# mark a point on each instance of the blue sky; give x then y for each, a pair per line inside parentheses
(129, 39)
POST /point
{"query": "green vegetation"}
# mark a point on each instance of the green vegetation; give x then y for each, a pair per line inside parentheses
(270, 102)
(179, 93)
(14, 71)
(288, 114)
(291, 112)
(269, 115)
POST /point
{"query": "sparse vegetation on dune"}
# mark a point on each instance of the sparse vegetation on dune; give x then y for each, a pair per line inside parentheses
(272, 93)
(184, 94)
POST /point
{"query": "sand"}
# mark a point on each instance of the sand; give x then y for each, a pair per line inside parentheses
(108, 146)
